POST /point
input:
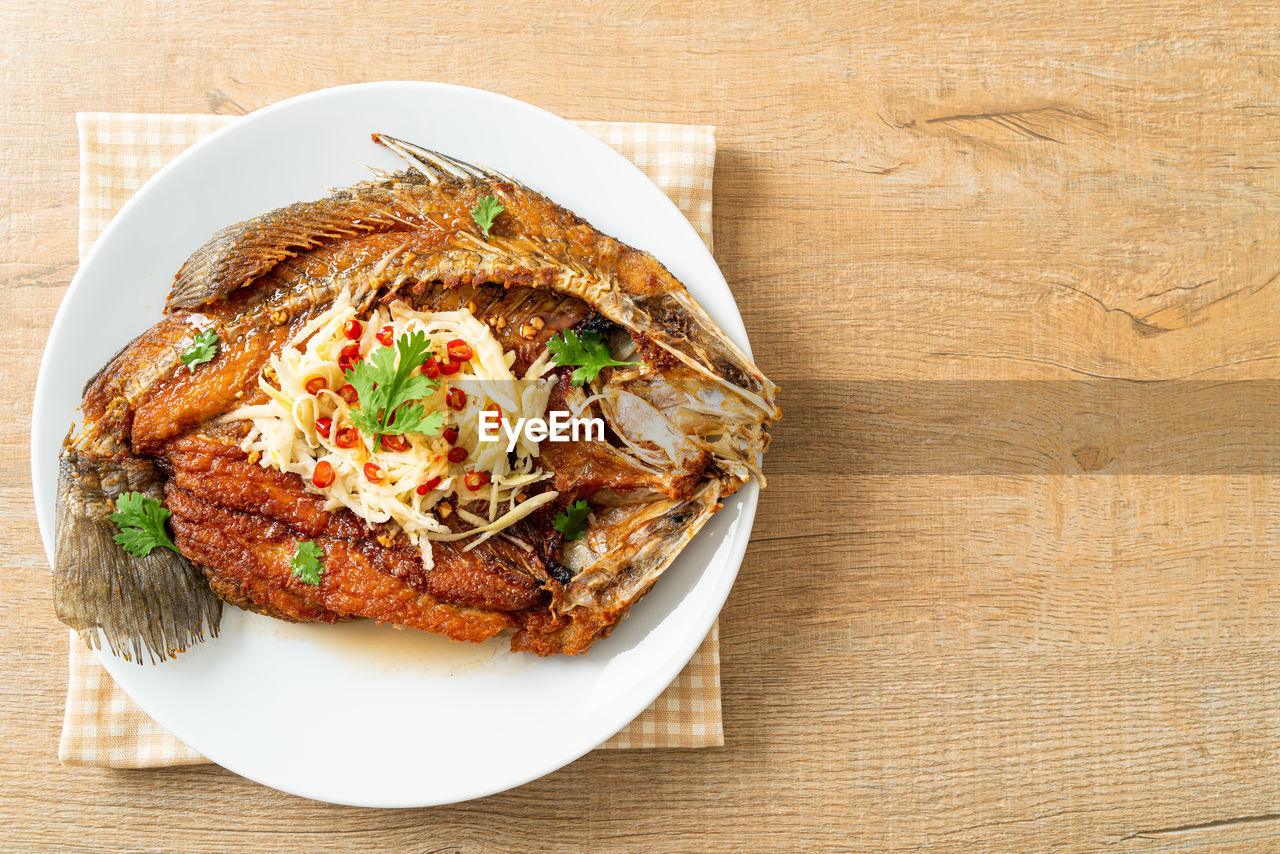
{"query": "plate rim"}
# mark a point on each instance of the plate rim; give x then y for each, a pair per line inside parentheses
(41, 485)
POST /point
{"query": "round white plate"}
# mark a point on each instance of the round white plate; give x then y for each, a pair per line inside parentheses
(361, 714)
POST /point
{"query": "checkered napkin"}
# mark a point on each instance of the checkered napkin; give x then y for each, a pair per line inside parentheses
(118, 152)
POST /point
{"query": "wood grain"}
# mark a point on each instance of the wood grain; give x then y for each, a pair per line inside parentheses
(914, 658)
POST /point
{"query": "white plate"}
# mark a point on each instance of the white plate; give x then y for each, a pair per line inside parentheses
(359, 714)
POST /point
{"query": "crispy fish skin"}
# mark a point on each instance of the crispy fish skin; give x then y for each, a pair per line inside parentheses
(689, 429)
(252, 553)
(237, 515)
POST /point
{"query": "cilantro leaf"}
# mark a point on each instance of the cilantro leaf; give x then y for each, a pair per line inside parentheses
(587, 350)
(306, 565)
(572, 522)
(141, 523)
(414, 419)
(389, 390)
(203, 348)
(485, 213)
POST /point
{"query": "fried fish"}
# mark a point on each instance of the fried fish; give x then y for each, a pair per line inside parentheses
(307, 414)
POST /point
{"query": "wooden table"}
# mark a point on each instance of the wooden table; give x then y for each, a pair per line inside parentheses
(1068, 644)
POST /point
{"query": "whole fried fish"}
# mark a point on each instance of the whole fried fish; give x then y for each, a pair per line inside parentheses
(686, 427)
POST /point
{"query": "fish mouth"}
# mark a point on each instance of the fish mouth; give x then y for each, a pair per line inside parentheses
(390, 314)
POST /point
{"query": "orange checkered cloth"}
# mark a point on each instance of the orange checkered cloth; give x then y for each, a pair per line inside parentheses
(118, 153)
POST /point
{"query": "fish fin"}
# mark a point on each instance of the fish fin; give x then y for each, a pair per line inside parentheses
(697, 341)
(239, 254)
(653, 546)
(435, 166)
(602, 592)
(160, 603)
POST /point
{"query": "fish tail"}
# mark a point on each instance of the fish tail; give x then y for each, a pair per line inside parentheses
(160, 603)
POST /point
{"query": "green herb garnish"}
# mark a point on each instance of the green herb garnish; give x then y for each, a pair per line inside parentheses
(141, 523)
(587, 350)
(203, 348)
(573, 521)
(485, 213)
(388, 390)
(306, 563)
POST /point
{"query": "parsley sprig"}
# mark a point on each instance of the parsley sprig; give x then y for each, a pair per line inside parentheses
(203, 348)
(572, 521)
(141, 519)
(587, 350)
(306, 563)
(389, 390)
(486, 212)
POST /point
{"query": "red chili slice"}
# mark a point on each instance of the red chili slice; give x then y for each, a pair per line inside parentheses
(385, 336)
(449, 367)
(450, 435)
(352, 329)
(431, 368)
(457, 455)
(323, 426)
(349, 394)
(459, 350)
(316, 384)
(347, 437)
(395, 443)
(475, 479)
(348, 356)
(323, 474)
(424, 488)
(456, 398)
(373, 472)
